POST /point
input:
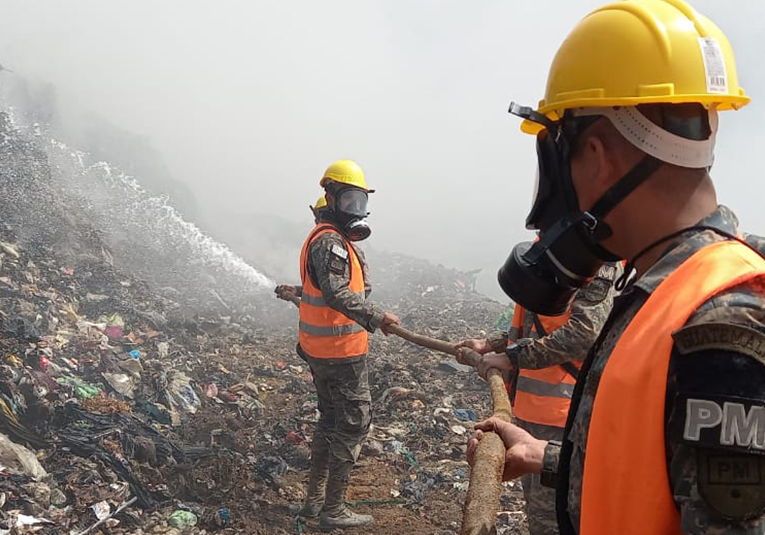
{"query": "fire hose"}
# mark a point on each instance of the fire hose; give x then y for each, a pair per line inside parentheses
(482, 503)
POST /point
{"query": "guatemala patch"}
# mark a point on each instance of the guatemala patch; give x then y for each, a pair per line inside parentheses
(725, 336)
(340, 251)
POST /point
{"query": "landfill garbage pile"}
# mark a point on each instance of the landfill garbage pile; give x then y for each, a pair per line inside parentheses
(129, 408)
(208, 425)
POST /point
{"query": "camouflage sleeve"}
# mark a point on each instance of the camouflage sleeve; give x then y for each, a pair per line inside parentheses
(365, 268)
(573, 340)
(716, 416)
(498, 341)
(299, 291)
(332, 272)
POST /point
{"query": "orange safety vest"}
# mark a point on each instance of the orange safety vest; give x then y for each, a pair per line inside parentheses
(326, 333)
(543, 396)
(626, 487)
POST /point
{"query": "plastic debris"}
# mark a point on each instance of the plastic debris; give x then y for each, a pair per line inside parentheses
(20, 459)
(466, 415)
(101, 509)
(182, 519)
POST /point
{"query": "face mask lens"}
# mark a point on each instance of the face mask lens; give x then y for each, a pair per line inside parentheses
(353, 202)
(543, 187)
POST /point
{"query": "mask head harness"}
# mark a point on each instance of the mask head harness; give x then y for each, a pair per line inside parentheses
(544, 276)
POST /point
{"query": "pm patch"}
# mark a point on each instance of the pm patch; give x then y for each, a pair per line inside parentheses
(732, 484)
(726, 336)
(722, 423)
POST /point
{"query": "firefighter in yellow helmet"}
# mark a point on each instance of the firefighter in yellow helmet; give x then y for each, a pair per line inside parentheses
(335, 319)
(319, 208)
(666, 431)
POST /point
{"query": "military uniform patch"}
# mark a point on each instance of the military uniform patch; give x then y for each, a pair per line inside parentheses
(600, 286)
(732, 484)
(597, 290)
(728, 423)
(726, 336)
(338, 260)
(339, 251)
(607, 271)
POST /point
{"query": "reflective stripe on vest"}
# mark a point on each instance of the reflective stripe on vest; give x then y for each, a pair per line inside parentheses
(326, 333)
(543, 396)
(626, 487)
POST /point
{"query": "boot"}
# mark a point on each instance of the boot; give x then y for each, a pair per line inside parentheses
(336, 514)
(314, 500)
(317, 478)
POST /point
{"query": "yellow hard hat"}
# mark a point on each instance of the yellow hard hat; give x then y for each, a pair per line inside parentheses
(639, 52)
(320, 203)
(345, 172)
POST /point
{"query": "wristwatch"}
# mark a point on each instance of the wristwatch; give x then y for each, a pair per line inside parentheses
(549, 475)
(512, 356)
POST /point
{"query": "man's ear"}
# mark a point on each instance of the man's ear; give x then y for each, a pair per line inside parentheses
(602, 160)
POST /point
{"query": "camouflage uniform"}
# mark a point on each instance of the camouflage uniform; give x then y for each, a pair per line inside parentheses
(342, 384)
(721, 373)
(570, 342)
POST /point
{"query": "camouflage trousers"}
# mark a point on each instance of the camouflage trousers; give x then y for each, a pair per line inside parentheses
(540, 501)
(345, 408)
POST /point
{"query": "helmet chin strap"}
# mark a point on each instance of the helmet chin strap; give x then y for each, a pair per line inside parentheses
(617, 193)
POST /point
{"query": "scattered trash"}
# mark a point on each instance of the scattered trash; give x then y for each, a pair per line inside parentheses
(211, 390)
(452, 366)
(270, 469)
(222, 517)
(459, 430)
(109, 516)
(121, 382)
(417, 489)
(82, 389)
(20, 459)
(163, 348)
(372, 448)
(182, 519)
(102, 510)
(466, 415)
(143, 395)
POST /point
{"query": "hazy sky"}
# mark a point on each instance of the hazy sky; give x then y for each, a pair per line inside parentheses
(249, 100)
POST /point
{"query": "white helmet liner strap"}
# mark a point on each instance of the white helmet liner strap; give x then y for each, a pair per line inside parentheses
(654, 140)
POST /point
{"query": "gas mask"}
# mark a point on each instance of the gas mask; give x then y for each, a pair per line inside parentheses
(350, 210)
(543, 276)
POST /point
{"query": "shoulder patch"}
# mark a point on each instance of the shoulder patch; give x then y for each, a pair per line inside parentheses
(732, 484)
(340, 251)
(723, 423)
(597, 290)
(727, 336)
(607, 271)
